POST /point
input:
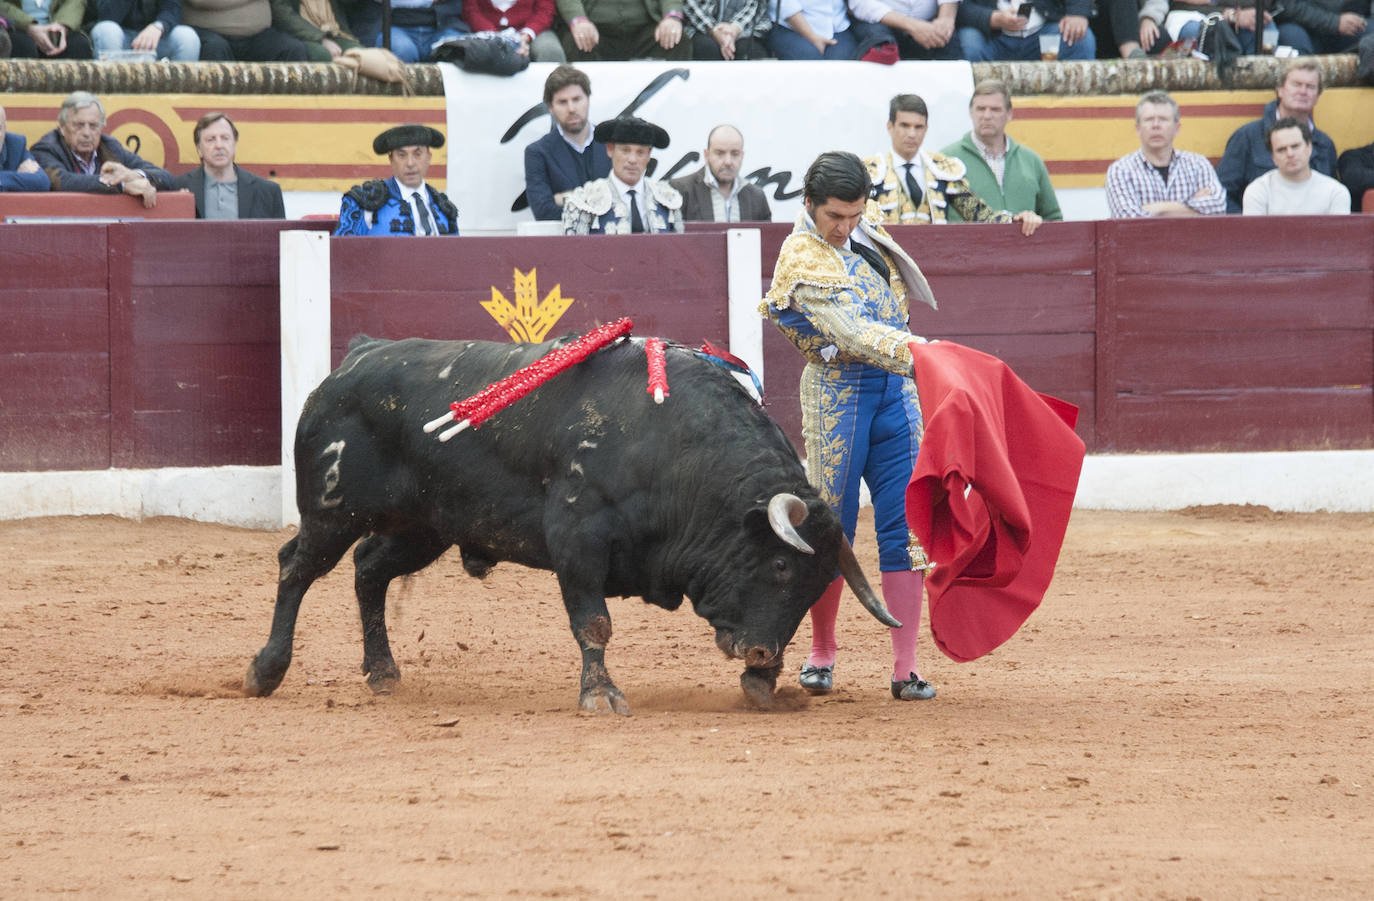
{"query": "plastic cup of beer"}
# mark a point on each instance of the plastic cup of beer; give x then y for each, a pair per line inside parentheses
(1049, 46)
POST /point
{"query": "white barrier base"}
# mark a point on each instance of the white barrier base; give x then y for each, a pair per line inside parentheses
(251, 496)
(248, 496)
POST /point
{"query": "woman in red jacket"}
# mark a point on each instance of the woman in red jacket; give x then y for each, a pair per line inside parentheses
(529, 23)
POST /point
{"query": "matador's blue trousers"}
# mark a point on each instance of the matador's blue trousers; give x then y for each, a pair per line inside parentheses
(863, 422)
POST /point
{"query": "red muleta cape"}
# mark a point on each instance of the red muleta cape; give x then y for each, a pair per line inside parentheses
(990, 496)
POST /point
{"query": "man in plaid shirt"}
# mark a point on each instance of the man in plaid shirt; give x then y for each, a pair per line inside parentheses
(1158, 180)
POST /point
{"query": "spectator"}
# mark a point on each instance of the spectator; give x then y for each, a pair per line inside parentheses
(716, 192)
(240, 30)
(1004, 173)
(152, 25)
(568, 156)
(364, 18)
(915, 187)
(1291, 188)
(321, 25)
(623, 29)
(223, 190)
(1328, 26)
(1133, 27)
(1247, 156)
(394, 206)
(529, 21)
(43, 30)
(1158, 180)
(1241, 18)
(812, 29)
(991, 30)
(417, 26)
(78, 156)
(625, 202)
(728, 29)
(19, 171)
(923, 29)
(1357, 174)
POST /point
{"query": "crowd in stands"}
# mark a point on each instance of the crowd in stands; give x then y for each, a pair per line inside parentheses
(594, 180)
(576, 30)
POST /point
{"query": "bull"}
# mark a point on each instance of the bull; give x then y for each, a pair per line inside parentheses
(703, 497)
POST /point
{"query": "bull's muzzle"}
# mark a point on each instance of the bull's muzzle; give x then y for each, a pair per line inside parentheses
(754, 656)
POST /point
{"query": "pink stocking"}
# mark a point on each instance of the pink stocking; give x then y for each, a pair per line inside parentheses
(823, 614)
(902, 594)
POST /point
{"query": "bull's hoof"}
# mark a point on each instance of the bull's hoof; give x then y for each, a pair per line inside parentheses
(604, 699)
(759, 684)
(383, 680)
(256, 685)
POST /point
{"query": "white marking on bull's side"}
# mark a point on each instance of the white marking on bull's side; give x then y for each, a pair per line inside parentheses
(576, 468)
(332, 475)
(587, 445)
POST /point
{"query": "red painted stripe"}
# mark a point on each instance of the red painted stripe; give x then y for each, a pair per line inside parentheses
(322, 170)
(1116, 112)
(304, 114)
(1077, 167)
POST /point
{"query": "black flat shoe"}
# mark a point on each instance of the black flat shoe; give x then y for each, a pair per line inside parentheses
(818, 680)
(913, 689)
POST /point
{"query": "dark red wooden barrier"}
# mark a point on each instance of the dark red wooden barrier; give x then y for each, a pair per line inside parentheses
(145, 344)
(70, 205)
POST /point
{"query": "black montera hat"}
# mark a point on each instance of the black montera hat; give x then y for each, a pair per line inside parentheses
(406, 136)
(631, 130)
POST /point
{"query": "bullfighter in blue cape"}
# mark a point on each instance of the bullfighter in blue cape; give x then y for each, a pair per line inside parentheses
(403, 204)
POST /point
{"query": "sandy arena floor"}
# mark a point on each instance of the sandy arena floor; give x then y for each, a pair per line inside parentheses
(1188, 715)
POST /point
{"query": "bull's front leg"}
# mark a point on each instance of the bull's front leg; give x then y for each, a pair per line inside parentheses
(599, 694)
(591, 626)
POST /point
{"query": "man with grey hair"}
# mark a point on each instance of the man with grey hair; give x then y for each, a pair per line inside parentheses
(79, 156)
(1158, 180)
(1004, 173)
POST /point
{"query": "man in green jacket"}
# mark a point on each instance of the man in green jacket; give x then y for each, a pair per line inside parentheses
(1004, 173)
(623, 29)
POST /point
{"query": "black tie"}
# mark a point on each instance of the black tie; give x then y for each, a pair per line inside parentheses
(424, 213)
(913, 190)
(874, 259)
(636, 222)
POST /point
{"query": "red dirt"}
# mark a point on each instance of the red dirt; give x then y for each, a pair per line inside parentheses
(1187, 716)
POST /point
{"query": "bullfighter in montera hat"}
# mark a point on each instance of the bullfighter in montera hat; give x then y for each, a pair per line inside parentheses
(625, 202)
(403, 204)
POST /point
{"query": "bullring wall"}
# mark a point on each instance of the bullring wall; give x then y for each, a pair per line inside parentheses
(155, 344)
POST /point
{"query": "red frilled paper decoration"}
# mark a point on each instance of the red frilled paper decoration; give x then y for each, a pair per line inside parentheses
(990, 496)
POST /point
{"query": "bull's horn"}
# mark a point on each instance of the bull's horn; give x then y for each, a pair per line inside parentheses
(785, 513)
(858, 583)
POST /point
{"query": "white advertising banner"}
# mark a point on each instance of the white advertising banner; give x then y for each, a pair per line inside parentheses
(789, 112)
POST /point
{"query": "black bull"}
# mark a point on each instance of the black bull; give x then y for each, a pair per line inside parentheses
(701, 496)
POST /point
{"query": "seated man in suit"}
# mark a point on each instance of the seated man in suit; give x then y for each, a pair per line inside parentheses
(568, 156)
(402, 204)
(625, 202)
(715, 192)
(19, 171)
(222, 189)
(79, 156)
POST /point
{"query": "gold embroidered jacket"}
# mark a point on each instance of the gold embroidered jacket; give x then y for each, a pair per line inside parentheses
(834, 308)
(943, 184)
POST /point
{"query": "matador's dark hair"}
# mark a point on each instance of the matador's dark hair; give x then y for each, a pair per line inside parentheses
(837, 174)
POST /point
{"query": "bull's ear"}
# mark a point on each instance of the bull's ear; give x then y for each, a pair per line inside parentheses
(756, 521)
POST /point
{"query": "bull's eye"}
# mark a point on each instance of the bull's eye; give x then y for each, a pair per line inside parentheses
(780, 564)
